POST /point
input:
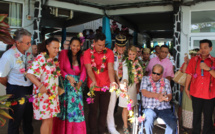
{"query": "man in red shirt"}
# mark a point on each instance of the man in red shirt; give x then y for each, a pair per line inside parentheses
(99, 64)
(201, 78)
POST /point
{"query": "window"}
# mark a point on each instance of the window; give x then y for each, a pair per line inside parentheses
(14, 11)
(195, 43)
(202, 21)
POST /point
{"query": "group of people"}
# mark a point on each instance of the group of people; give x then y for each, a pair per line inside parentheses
(128, 66)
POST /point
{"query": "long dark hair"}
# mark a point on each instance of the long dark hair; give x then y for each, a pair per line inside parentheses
(42, 46)
(78, 54)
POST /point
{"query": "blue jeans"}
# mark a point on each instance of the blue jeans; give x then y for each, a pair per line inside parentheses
(166, 114)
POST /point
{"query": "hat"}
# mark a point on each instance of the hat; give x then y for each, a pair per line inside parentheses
(193, 51)
(120, 40)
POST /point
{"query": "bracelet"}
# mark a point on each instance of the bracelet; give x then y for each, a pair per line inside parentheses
(40, 87)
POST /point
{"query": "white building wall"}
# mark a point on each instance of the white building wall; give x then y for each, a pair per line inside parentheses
(186, 26)
(27, 24)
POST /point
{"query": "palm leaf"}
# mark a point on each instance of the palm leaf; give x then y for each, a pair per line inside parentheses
(3, 24)
(2, 121)
(4, 97)
(4, 31)
(2, 106)
(2, 17)
(5, 114)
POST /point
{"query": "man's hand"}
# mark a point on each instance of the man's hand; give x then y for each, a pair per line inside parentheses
(204, 66)
(162, 97)
(93, 84)
(3, 81)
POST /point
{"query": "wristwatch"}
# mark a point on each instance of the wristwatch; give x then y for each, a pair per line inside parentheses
(210, 69)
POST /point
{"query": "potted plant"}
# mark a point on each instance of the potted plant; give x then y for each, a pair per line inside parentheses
(7, 39)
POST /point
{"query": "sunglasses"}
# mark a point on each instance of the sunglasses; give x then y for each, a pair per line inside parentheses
(156, 73)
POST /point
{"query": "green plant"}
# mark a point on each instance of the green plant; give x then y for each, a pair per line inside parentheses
(7, 39)
(4, 106)
(4, 30)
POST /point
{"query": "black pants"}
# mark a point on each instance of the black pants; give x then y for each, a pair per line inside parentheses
(20, 112)
(101, 103)
(206, 106)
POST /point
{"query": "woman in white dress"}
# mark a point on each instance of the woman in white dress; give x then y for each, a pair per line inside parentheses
(132, 75)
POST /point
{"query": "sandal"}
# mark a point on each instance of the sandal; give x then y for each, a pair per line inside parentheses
(125, 130)
(130, 125)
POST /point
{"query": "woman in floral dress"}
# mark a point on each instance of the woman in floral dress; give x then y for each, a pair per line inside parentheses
(44, 74)
(132, 75)
(71, 118)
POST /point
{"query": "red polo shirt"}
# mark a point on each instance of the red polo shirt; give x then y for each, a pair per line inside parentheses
(102, 79)
(199, 86)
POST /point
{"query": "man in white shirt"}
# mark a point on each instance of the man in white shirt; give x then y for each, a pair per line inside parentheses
(14, 64)
(120, 46)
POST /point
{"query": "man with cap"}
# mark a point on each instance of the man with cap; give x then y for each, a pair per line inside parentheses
(120, 46)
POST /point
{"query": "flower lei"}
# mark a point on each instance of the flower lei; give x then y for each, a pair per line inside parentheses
(91, 93)
(135, 71)
(19, 60)
(93, 64)
(55, 70)
(120, 68)
(22, 100)
(154, 85)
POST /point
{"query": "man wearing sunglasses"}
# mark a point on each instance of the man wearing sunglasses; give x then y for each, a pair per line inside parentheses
(13, 65)
(156, 95)
(164, 61)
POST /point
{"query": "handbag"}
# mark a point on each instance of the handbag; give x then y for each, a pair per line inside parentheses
(180, 78)
(60, 87)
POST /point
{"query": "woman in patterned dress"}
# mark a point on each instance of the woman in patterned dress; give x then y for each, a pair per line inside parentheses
(186, 104)
(71, 118)
(44, 74)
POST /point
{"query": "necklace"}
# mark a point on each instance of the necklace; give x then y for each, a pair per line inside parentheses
(135, 71)
(120, 68)
(154, 85)
(53, 63)
(93, 63)
(19, 60)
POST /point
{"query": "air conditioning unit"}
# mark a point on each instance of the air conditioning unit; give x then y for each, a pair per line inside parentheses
(63, 13)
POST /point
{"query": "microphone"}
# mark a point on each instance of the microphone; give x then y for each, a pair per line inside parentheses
(202, 71)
